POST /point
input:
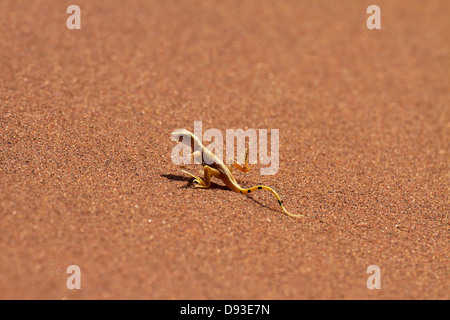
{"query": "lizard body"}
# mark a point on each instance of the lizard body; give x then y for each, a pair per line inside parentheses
(214, 167)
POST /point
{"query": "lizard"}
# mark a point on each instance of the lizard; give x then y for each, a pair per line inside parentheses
(215, 167)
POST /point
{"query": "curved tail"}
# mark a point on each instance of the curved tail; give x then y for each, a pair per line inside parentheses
(280, 202)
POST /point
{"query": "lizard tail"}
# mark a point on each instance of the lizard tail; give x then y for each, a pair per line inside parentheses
(280, 202)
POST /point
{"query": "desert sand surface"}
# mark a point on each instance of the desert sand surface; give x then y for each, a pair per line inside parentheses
(86, 176)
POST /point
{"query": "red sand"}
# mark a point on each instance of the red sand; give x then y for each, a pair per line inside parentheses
(85, 170)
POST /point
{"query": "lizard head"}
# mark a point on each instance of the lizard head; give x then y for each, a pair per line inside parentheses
(186, 137)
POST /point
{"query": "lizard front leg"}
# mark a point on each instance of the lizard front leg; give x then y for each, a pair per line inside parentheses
(204, 183)
(193, 157)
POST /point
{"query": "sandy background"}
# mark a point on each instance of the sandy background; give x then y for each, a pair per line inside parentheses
(85, 170)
